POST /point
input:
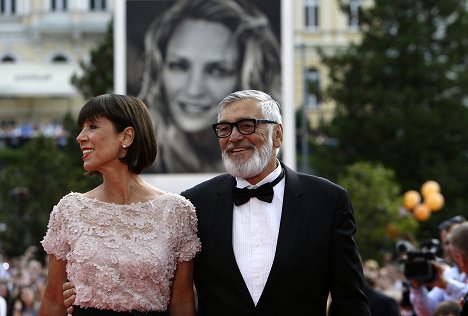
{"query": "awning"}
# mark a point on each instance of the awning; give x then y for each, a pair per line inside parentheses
(33, 79)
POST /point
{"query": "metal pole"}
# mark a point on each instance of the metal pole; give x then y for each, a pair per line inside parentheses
(304, 121)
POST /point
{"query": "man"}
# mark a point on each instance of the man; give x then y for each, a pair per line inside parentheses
(450, 282)
(282, 256)
(459, 242)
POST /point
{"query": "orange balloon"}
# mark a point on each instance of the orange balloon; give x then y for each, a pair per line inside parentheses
(391, 231)
(429, 187)
(421, 212)
(435, 201)
(411, 198)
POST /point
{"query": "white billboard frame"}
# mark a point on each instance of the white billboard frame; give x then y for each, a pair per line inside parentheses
(177, 182)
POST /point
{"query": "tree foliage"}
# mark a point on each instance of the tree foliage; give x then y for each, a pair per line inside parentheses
(97, 75)
(401, 97)
(33, 179)
(376, 200)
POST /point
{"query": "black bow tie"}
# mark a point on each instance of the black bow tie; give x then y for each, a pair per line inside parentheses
(263, 192)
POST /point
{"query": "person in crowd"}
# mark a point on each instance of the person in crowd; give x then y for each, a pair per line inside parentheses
(447, 308)
(379, 303)
(126, 245)
(196, 53)
(390, 278)
(24, 303)
(406, 307)
(35, 276)
(3, 306)
(450, 282)
(282, 252)
(444, 228)
(5, 293)
(459, 244)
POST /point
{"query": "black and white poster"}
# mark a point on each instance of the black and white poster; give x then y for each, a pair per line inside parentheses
(184, 56)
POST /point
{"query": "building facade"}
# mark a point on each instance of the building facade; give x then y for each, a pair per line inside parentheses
(43, 41)
(320, 24)
(41, 45)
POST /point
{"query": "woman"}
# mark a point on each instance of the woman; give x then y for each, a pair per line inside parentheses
(25, 302)
(196, 53)
(126, 245)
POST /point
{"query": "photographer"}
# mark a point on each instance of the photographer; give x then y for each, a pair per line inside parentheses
(449, 283)
(459, 242)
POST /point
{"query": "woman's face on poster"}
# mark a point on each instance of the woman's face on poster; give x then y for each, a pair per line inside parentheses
(200, 69)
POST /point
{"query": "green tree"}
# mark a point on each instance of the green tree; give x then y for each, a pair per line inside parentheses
(30, 187)
(97, 75)
(376, 200)
(401, 96)
(33, 179)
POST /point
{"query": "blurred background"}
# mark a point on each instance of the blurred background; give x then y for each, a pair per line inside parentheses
(380, 92)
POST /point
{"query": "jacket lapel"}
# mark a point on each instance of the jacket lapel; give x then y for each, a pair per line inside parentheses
(291, 221)
(223, 208)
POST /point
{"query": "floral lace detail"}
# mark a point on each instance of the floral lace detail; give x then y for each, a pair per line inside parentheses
(122, 257)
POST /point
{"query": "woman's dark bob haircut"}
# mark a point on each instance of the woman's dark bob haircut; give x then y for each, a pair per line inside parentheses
(125, 111)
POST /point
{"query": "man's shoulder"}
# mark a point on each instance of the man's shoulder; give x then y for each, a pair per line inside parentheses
(209, 184)
(315, 180)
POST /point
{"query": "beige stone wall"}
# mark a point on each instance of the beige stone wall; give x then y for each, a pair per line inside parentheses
(331, 35)
(34, 36)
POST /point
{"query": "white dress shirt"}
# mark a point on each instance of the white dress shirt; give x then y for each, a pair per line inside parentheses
(425, 301)
(255, 230)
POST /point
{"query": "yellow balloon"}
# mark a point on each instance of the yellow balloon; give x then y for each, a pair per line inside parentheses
(429, 187)
(421, 212)
(410, 199)
(435, 201)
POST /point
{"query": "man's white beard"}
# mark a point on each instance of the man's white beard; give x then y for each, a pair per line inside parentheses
(251, 167)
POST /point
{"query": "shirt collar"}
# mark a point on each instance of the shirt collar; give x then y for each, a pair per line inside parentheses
(242, 183)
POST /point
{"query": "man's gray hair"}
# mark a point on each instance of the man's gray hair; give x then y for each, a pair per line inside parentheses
(271, 109)
(459, 238)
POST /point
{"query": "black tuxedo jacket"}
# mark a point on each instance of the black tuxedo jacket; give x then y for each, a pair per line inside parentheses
(464, 311)
(381, 304)
(315, 254)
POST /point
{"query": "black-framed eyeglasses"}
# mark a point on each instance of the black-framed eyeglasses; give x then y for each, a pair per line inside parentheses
(244, 126)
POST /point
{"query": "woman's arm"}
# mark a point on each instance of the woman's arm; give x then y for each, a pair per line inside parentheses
(182, 301)
(52, 300)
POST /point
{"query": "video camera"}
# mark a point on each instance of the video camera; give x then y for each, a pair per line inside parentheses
(417, 263)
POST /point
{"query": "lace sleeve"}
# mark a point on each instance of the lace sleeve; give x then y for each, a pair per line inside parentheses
(55, 240)
(188, 243)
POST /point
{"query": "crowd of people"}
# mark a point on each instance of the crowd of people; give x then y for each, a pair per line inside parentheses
(14, 134)
(439, 290)
(22, 284)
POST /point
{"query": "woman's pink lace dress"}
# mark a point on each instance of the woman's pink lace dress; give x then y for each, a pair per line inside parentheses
(122, 257)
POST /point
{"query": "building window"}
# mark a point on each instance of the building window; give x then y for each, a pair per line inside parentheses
(312, 84)
(97, 5)
(59, 58)
(354, 14)
(8, 59)
(7, 7)
(58, 5)
(312, 13)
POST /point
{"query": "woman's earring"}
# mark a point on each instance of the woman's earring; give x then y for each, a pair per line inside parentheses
(124, 146)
